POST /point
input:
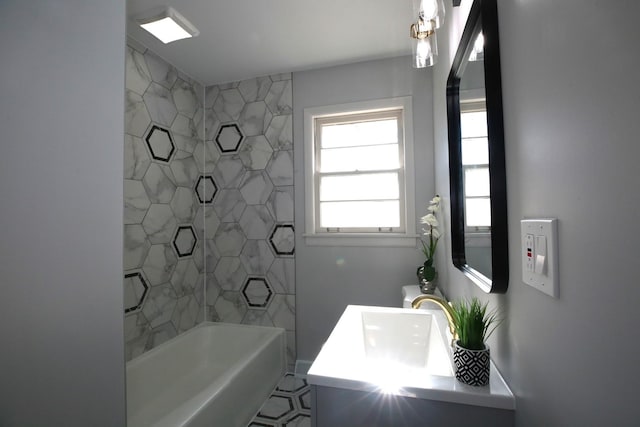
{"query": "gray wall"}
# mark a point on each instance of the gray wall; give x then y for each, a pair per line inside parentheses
(571, 134)
(372, 275)
(61, 168)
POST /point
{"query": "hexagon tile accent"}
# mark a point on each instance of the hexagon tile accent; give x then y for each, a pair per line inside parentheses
(229, 138)
(283, 240)
(185, 241)
(160, 143)
(257, 292)
(135, 290)
(288, 405)
(206, 189)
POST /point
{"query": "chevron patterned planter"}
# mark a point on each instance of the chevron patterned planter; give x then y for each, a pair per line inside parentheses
(472, 366)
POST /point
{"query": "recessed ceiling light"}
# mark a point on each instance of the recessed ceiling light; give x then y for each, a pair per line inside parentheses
(168, 26)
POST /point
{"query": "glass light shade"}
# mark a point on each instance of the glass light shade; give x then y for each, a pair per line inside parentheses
(430, 10)
(425, 51)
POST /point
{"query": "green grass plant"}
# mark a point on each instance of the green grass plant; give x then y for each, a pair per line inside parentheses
(474, 323)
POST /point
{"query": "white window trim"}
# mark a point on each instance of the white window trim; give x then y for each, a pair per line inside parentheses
(406, 239)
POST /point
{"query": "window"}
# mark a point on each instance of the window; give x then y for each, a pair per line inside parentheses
(357, 176)
(475, 166)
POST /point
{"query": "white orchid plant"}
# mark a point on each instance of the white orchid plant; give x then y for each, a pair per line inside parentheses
(430, 243)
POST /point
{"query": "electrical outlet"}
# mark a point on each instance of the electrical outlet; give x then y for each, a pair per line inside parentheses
(540, 254)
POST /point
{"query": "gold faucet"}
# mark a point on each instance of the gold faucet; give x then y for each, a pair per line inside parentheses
(444, 305)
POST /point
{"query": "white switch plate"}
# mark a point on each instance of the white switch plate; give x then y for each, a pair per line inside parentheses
(540, 261)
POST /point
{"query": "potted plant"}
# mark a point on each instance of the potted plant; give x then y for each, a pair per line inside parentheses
(427, 273)
(471, 356)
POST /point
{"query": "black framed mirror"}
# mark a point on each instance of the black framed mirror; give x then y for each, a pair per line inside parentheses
(476, 153)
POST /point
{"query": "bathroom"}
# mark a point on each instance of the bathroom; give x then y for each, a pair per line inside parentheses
(569, 127)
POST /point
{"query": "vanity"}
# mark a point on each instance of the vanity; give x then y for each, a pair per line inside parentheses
(385, 366)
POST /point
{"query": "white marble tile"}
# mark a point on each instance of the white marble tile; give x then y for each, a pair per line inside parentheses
(210, 95)
(134, 292)
(281, 76)
(229, 205)
(161, 71)
(280, 168)
(230, 307)
(199, 123)
(229, 172)
(254, 118)
(280, 132)
(185, 169)
(184, 205)
(185, 277)
(279, 98)
(291, 352)
(255, 152)
(257, 293)
(206, 156)
(256, 222)
(159, 223)
(159, 265)
(160, 104)
(283, 239)
(136, 246)
(211, 125)
(137, 75)
(184, 241)
(158, 184)
(185, 314)
(185, 98)
(136, 157)
(254, 89)
(160, 304)
(213, 289)
(228, 105)
(161, 334)
(198, 255)
(136, 335)
(229, 239)
(206, 222)
(211, 255)
(228, 85)
(136, 116)
(257, 318)
(256, 257)
(230, 274)
(280, 204)
(185, 143)
(256, 187)
(183, 125)
(282, 275)
(282, 311)
(198, 293)
(136, 202)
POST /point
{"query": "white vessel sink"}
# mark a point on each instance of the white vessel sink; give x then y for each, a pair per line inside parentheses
(404, 340)
(401, 352)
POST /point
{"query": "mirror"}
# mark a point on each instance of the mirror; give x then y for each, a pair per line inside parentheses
(476, 153)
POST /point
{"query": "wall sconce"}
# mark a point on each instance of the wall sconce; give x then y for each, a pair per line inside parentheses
(167, 25)
(424, 44)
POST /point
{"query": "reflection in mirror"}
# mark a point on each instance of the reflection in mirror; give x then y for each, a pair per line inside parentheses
(476, 150)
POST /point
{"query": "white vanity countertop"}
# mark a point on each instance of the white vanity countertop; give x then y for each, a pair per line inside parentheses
(342, 364)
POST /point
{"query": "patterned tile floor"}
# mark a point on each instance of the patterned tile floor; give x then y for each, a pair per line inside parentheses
(288, 405)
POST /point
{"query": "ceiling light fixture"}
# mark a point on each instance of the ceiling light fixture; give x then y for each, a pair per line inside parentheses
(168, 26)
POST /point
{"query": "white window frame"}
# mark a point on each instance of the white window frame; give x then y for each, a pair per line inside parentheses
(314, 237)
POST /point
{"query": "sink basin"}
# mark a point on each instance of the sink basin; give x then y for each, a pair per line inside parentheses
(410, 340)
(399, 353)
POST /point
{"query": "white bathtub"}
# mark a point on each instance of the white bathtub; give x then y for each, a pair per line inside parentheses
(216, 374)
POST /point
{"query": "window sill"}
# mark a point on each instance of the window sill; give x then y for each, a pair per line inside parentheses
(361, 239)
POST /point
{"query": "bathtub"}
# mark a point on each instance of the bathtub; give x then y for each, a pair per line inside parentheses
(216, 374)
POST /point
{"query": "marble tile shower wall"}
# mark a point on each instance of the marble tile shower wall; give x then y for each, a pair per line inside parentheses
(165, 192)
(208, 203)
(249, 230)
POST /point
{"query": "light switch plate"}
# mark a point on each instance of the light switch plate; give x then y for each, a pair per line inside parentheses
(539, 240)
